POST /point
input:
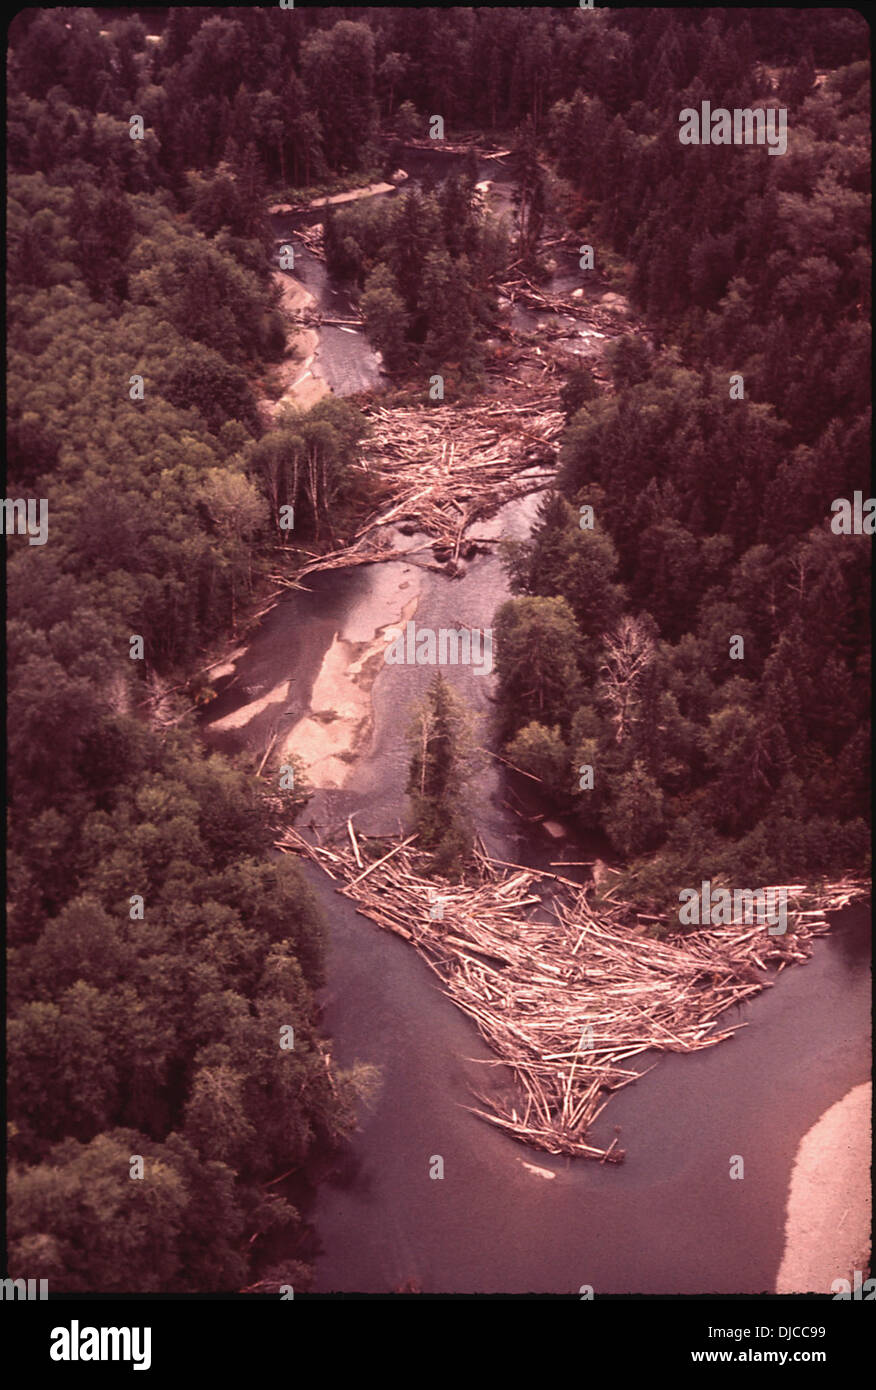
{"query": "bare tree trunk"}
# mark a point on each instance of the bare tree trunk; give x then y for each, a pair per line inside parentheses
(629, 650)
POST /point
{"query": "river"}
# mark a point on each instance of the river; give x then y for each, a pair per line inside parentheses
(669, 1220)
(505, 1218)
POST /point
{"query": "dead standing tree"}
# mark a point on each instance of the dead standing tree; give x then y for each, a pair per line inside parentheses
(628, 651)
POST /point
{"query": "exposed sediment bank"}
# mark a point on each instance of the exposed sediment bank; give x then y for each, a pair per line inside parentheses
(341, 714)
(350, 195)
(828, 1214)
(242, 716)
(302, 387)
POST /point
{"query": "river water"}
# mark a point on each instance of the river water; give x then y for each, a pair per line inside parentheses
(345, 359)
(506, 1218)
(668, 1220)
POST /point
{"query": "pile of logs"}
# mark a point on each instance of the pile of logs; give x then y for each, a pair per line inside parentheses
(465, 145)
(315, 318)
(447, 467)
(522, 291)
(313, 239)
(566, 1004)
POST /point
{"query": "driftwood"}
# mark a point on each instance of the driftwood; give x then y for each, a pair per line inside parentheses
(312, 318)
(522, 291)
(268, 752)
(565, 1004)
(465, 145)
(313, 238)
(447, 467)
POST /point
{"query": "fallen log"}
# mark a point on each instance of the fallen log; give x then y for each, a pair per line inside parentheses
(446, 468)
(584, 987)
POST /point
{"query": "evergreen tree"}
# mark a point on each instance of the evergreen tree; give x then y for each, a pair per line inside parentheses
(439, 738)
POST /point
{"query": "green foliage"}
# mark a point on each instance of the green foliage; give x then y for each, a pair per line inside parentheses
(385, 317)
(538, 658)
(530, 197)
(573, 561)
(543, 753)
(629, 360)
(427, 263)
(206, 382)
(338, 70)
(409, 124)
(439, 738)
(158, 1035)
(204, 294)
(713, 511)
(635, 818)
(148, 258)
(78, 1219)
(578, 390)
(307, 457)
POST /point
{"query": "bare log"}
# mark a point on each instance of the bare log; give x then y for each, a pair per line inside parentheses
(586, 988)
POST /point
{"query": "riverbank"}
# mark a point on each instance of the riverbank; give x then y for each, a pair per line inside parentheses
(297, 375)
(382, 1006)
(343, 189)
(340, 721)
(828, 1216)
(667, 1221)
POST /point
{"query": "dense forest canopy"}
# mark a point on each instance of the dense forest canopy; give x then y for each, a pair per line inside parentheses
(149, 260)
(711, 514)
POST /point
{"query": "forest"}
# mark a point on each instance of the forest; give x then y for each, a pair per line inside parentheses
(710, 518)
(143, 319)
